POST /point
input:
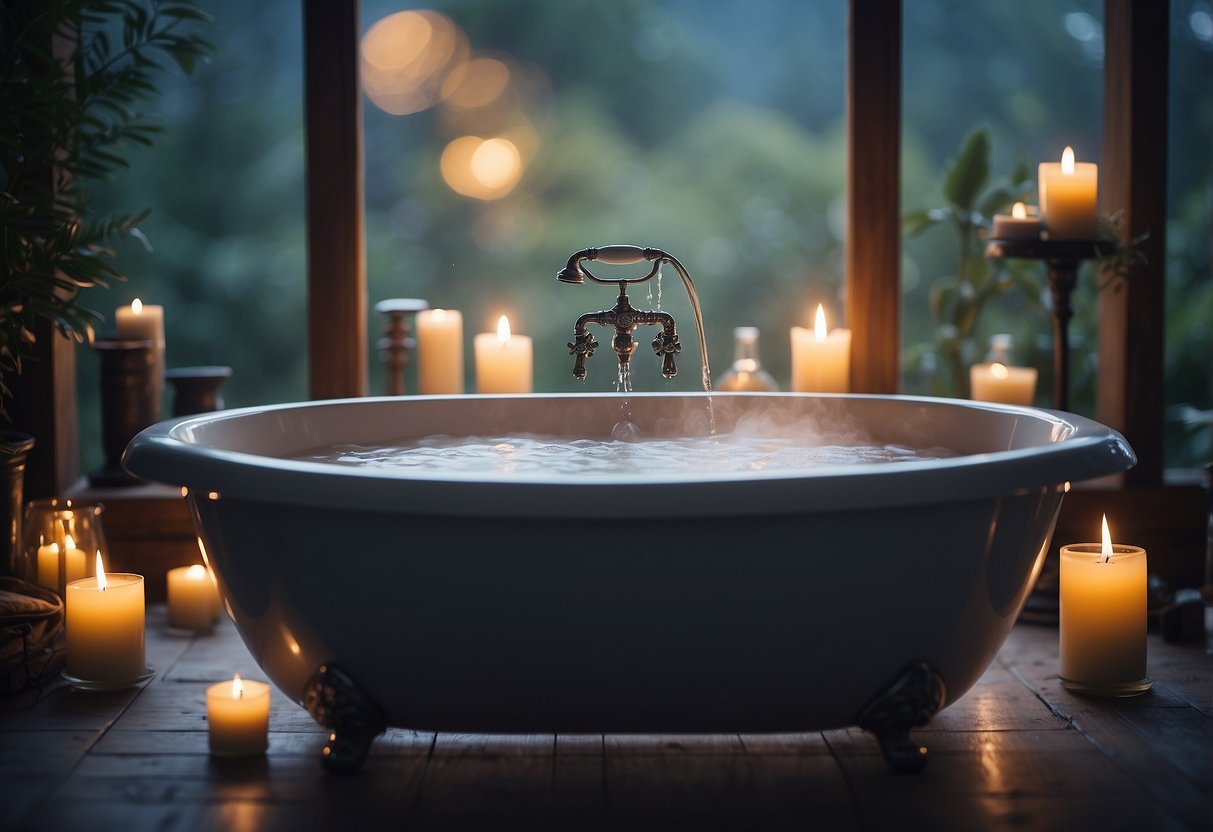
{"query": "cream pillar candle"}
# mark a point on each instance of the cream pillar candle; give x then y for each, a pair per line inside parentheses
(105, 621)
(48, 566)
(193, 600)
(238, 717)
(821, 360)
(997, 382)
(1103, 618)
(74, 559)
(145, 322)
(439, 351)
(1068, 191)
(503, 361)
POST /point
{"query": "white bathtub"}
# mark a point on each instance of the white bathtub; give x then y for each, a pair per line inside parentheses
(869, 594)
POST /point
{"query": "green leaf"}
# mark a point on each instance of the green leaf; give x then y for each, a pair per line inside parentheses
(969, 171)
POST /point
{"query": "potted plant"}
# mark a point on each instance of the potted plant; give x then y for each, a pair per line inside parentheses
(72, 76)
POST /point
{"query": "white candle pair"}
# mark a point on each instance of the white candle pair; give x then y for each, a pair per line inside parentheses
(504, 362)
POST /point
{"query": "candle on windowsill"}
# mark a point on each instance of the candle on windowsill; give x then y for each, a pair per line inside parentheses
(503, 361)
(1023, 223)
(821, 359)
(193, 600)
(105, 622)
(145, 322)
(439, 351)
(997, 382)
(238, 717)
(1103, 618)
(1068, 192)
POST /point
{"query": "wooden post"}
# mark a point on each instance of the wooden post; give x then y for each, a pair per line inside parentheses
(1133, 179)
(873, 241)
(337, 295)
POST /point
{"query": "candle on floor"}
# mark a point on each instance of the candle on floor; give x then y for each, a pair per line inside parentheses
(821, 360)
(145, 322)
(1023, 223)
(1068, 192)
(193, 600)
(1103, 618)
(48, 565)
(105, 621)
(503, 360)
(997, 382)
(439, 351)
(238, 717)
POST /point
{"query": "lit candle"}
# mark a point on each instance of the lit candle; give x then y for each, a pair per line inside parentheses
(105, 620)
(997, 382)
(1103, 618)
(1067, 197)
(1021, 224)
(439, 351)
(193, 600)
(144, 322)
(503, 360)
(74, 560)
(48, 565)
(821, 361)
(238, 718)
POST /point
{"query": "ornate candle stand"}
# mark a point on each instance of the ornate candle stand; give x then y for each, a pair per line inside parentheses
(397, 340)
(1062, 257)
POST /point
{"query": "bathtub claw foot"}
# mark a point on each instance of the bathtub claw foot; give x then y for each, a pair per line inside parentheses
(909, 701)
(336, 702)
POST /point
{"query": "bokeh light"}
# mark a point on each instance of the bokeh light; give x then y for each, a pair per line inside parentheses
(485, 169)
(407, 58)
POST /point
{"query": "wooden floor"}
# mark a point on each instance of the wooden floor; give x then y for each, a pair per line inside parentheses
(1017, 752)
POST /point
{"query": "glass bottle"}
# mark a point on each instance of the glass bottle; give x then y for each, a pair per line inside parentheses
(746, 374)
(1000, 349)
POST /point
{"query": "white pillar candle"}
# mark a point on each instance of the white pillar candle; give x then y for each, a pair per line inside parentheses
(145, 322)
(238, 718)
(821, 360)
(105, 621)
(1103, 618)
(1002, 383)
(1023, 223)
(48, 566)
(439, 351)
(1068, 192)
(503, 360)
(75, 560)
(193, 600)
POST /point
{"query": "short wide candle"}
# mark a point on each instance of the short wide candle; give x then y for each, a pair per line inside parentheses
(439, 351)
(503, 361)
(1103, 618)
(1067, 197)
(238, 718)
(193, 600)
(105, 621)
(1002, 383)
(821, 361)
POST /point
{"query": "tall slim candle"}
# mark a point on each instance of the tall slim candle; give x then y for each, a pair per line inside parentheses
(439, 351)
(145, 322)
(1103, 618)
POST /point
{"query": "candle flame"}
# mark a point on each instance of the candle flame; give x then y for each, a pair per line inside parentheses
(503, 330)
(197, 572)
(137, 307)
(100, 572)
(1106, 551)
(1018, 211)
(237, 687)
(819, 326)
(999, 370)
(1067, 161)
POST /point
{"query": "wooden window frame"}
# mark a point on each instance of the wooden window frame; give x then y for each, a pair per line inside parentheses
(1133, 178)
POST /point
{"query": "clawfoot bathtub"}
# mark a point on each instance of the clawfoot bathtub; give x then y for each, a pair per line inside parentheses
(493, 601)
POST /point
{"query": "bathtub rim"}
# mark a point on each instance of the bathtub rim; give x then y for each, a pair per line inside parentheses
(1091, 450)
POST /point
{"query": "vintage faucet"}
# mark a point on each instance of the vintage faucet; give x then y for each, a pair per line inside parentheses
(622, 316)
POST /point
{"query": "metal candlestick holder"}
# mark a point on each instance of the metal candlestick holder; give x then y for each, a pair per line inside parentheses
(1062, 257)
(397, 340)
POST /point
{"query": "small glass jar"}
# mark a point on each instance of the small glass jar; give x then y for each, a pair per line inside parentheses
(61, 541)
